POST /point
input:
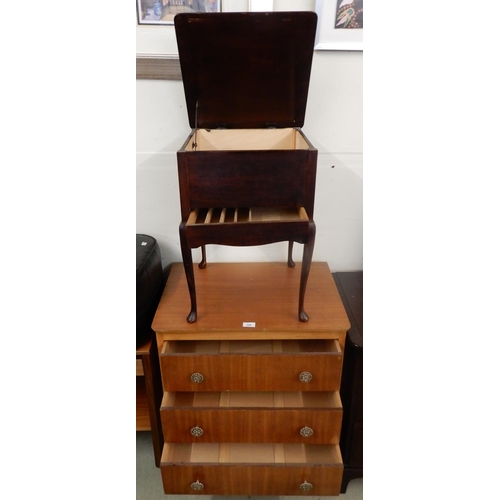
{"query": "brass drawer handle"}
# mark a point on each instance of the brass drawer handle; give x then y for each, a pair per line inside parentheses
(306, 432)
(305, 377)
(197, 378)
(196, 431)
(305, 486)
(197, 486)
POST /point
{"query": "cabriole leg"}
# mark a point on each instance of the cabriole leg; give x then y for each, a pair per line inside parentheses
(291, 263)
(187, 260)
(203, 262)
(306, 266)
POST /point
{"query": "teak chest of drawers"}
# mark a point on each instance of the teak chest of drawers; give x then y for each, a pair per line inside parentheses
(251, 402)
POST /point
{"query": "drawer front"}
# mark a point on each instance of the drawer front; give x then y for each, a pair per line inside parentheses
(247, 417)
(260, 371)
(251, 426)
(252, 480)
(251, 469)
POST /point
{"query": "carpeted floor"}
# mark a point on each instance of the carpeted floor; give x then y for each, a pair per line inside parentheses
(149, 485)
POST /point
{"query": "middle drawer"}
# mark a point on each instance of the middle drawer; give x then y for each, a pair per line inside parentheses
(251, 417)
(254, 365)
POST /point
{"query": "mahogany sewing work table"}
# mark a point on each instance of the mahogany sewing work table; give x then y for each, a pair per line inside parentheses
(247, 172)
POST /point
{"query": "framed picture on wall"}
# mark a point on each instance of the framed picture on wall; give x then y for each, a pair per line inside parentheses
(340, 25)
(163, 11)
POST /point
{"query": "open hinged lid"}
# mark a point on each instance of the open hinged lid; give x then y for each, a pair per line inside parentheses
(246, 70)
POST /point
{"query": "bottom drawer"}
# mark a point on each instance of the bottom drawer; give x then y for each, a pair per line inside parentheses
(251, 469)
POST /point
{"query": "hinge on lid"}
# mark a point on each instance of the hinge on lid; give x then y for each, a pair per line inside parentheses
(195, 142)
(270, 125)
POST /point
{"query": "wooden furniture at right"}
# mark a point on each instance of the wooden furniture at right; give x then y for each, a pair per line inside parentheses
(350, 287)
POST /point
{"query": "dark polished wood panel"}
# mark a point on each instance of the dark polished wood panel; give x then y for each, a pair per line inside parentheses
(350, 286)
(246, 70)
(248, 178)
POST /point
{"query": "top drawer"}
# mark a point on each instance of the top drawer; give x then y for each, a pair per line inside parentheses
(251, 365)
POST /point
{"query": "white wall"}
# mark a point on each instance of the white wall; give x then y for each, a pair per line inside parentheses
(334, 126)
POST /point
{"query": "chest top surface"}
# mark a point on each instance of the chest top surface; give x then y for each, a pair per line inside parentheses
(251, 300)
(246, 70)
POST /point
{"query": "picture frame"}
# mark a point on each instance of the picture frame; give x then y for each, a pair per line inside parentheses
(162, 12)
(331, 36)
